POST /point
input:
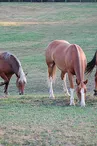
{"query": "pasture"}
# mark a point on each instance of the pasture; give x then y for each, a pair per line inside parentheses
(33, 119)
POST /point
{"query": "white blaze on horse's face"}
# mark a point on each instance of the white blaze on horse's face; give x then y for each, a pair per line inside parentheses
(81, 93)
(21, 81)
(20, 86)
(83, 96)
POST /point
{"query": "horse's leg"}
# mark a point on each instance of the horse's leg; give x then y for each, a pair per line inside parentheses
(71, 89)
(51, 73)
(63, 77)
(95, 90)
(51, 89)
(6, 88)
(6, 84)
(4, 77)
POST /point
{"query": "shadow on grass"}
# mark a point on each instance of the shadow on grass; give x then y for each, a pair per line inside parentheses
(34, 100)
(91, 100)
(45, 101)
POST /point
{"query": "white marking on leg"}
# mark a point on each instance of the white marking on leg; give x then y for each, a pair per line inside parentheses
(72, 96)
(51, 89)
(82, 97)
(65, 85)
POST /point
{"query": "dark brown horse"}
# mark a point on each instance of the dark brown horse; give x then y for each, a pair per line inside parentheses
(10, 65)
(70, 59)
(90, 67)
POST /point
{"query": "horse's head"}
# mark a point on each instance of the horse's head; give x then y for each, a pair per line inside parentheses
(21, 82)
(81, 91)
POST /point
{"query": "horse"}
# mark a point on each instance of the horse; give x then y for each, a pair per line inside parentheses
(90, 66)
(71, 60)
(9, 65)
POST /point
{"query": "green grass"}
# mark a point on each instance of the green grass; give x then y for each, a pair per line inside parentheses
(18, 37)
(37, 120)
(34, 119)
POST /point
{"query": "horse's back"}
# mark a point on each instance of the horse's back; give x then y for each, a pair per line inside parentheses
(65, 55)
(76, 60)
(8, 63)
(54, 47)
(77, 50)
(4, 64)
(56, 43)
(75, 53)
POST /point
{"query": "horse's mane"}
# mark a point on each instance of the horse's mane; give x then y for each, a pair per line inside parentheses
(5, 55)
(91, 64)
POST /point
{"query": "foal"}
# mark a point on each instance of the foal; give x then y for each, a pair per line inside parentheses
(70, 59)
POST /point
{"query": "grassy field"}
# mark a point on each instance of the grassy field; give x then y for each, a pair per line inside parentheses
(34, 119)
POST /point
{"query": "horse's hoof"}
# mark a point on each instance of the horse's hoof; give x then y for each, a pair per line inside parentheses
(72, 104)
(52, 97)
(95, 92)
(3, 96)
(68, 94)
(82, 104)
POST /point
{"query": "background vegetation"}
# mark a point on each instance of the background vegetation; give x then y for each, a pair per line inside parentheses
(25, 30)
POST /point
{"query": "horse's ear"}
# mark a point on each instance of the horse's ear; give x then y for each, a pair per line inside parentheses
(85, 82)
(77, 82)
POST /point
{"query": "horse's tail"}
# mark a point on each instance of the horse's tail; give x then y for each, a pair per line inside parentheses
(91, 64)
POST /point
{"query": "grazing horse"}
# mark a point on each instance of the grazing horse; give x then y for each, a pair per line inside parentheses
(90, 67)
(70, 59)
(10, 65)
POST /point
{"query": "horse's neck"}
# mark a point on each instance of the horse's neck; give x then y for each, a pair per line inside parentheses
(21, 75)
(79, 65)
(20, 71)
(17, 68)
(79, 74)
(15, 65)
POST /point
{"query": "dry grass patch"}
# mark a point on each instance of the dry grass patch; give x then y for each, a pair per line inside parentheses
(27, 23)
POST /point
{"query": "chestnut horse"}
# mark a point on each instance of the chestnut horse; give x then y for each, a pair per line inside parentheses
(70, 59)
(90, 67)
(10, 65)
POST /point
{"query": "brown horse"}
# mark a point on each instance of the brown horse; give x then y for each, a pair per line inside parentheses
(70, 59)
(10, 65)
(90, 67)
